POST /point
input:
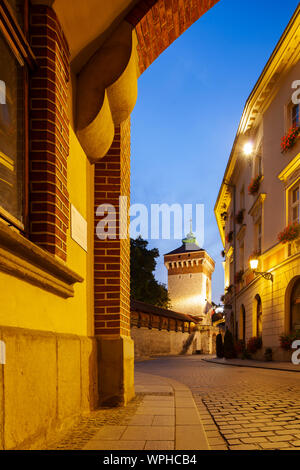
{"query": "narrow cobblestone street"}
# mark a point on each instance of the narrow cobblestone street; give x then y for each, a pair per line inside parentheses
(239, 408)
(248, 408)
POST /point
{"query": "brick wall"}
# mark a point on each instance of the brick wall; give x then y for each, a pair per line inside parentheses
(112, 257)
(49, 133)
(158, 23)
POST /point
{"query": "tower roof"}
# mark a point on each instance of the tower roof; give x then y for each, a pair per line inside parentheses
(185, 248)
(189, 243)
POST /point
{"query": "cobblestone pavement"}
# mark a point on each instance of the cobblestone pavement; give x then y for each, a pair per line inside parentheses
(241, 408)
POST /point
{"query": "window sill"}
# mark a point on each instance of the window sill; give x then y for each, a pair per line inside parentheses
(23, 259)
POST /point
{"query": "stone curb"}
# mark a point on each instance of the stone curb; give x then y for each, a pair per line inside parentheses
(254, 366)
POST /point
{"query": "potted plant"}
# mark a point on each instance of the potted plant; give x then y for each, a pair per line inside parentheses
(254, 344)
(289, 140)
(239, 218)
(290, 233)
(253, 187)
(286, 341)
(268, 355)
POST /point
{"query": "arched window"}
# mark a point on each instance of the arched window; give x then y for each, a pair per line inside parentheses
(258, 315)
(295, 308)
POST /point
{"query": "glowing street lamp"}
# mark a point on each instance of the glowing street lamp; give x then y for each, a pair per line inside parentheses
(265, 275)
(253, 264)
(248, 149)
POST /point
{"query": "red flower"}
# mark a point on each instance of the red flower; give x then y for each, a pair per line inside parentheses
(290, 233)
(289, 140)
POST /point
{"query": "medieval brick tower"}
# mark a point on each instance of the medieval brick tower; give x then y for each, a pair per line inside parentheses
(189, 278)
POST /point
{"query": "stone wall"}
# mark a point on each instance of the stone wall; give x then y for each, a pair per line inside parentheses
(159, 332)
(155, 342)
(47, 382)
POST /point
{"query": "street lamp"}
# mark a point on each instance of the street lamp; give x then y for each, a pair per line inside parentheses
(248, 149)
(265, 275)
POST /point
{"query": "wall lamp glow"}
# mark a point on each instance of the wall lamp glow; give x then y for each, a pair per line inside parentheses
(248, 149)
(265, 275)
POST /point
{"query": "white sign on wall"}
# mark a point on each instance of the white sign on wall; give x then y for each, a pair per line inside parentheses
(78, 228)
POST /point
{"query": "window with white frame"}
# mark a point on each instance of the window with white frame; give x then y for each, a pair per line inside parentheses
(294, 204)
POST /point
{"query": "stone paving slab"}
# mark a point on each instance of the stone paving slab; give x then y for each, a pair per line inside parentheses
(161, 422)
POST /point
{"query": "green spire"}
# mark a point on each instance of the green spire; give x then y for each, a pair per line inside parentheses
(190, 238)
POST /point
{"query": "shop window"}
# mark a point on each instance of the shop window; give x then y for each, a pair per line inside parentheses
(13, 112)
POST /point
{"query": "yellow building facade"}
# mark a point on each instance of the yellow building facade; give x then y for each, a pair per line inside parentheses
(259, 199)
(68, 84)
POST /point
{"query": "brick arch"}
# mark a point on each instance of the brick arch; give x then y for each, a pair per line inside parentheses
(158, 23)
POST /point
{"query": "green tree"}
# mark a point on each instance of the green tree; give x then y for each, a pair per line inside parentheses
(144, 286)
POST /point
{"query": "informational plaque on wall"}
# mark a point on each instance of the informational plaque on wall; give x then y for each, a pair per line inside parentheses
(78, 228)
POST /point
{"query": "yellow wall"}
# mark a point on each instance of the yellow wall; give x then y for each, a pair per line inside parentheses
(27, 306)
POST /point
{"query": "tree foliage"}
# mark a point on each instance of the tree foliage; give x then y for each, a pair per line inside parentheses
(144, 286)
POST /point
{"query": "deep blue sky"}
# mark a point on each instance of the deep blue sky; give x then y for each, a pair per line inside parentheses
(189, 106)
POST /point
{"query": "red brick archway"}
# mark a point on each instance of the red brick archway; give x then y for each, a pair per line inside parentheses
(158, 23)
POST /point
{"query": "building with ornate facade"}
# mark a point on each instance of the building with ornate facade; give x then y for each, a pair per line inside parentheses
(68, 84)
(258, 205)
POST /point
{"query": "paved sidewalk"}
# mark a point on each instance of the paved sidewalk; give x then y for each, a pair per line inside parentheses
(286, 366)
(166, 419)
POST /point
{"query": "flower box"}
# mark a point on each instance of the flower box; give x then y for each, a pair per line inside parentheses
(289, 140)
(254, 186)
(290, 233)
(286, 341)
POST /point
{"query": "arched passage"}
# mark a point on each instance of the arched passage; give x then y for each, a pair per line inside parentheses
(107, 82)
